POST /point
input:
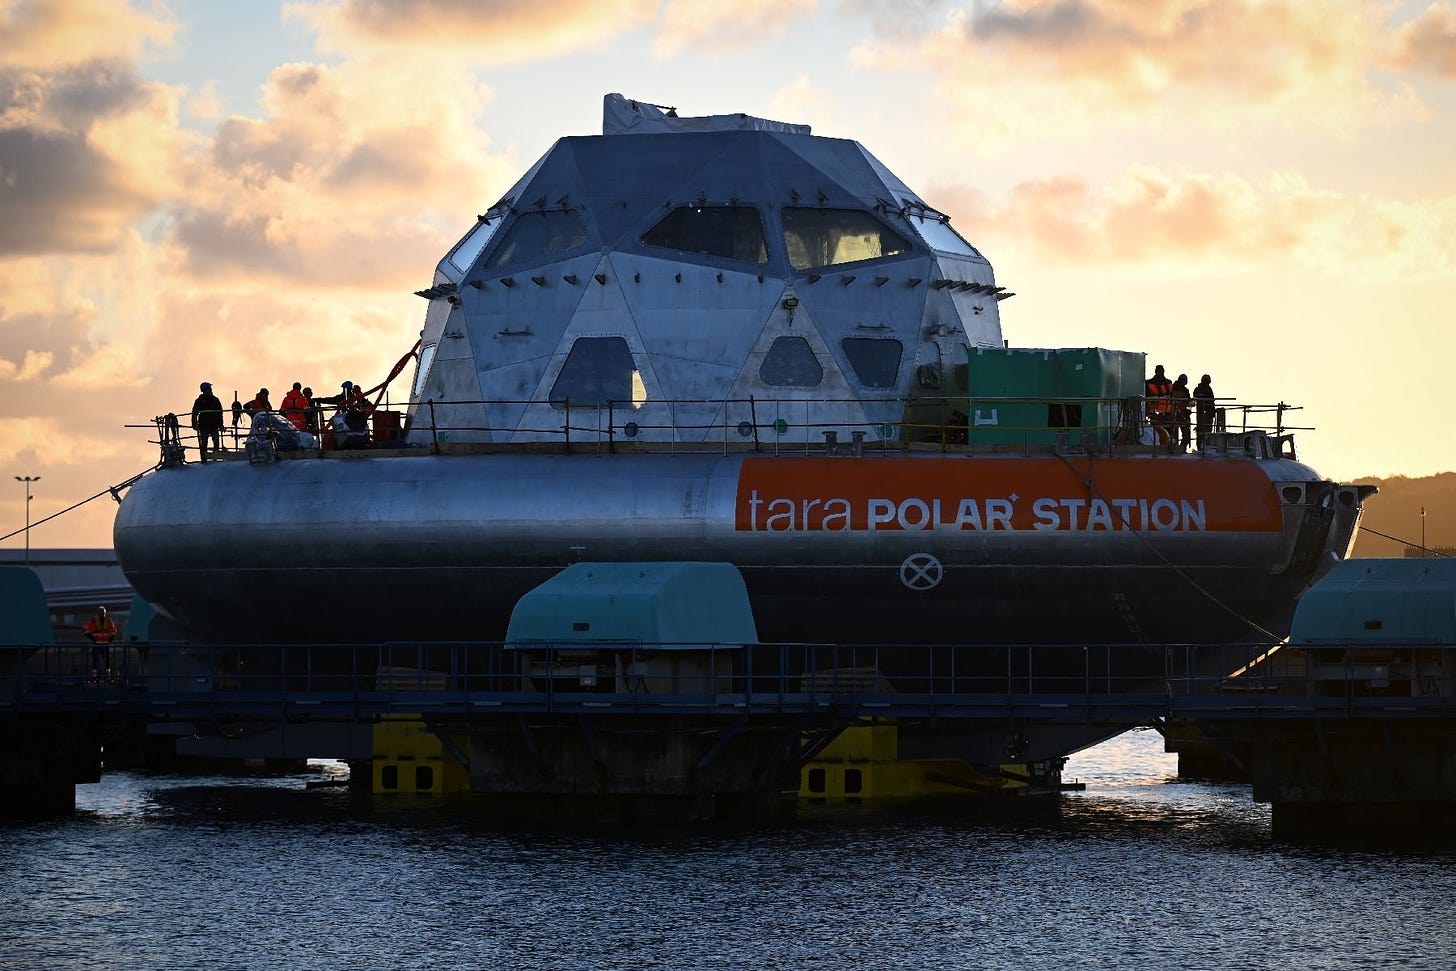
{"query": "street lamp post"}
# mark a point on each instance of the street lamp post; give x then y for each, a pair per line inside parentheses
(1423, 531)
(28, 479)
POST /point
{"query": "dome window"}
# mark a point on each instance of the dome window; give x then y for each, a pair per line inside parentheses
(828, 237)
(599, 371)
(790, 363)
(537, 236)
(730, 232)
(876, 361)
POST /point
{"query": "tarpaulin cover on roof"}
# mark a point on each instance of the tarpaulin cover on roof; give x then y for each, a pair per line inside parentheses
(1380, 601)
(673, 605)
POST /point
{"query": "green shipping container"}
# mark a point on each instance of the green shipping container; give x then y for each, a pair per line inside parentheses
(1028, 396)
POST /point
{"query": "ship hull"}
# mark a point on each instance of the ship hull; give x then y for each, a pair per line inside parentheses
(875, 549)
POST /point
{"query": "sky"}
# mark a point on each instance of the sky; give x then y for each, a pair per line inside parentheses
(249, 193)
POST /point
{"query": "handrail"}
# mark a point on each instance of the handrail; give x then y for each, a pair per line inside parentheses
(941, 680)
(952, 423)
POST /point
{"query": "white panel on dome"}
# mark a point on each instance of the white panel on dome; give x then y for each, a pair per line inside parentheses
(623, 116)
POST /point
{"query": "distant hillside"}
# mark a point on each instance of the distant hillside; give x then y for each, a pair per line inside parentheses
(1396, 511)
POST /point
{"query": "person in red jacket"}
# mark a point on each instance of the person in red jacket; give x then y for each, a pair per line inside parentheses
(100, 630)
(260, 403)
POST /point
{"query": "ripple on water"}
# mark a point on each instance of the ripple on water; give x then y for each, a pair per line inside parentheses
(1137, 872)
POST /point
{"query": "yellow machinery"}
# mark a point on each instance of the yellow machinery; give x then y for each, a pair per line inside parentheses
(862, 764)
(408, 757)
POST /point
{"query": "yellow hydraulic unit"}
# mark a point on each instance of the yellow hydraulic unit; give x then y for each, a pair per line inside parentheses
(408, 757)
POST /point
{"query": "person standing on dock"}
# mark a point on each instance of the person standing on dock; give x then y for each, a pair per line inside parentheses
(101, 630)
(207, 421)
(1181, 408)
(1203, 399)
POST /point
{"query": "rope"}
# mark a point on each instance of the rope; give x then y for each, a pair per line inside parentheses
(1404, 542)
(1092, 487)
(398, 367)
(112, 491)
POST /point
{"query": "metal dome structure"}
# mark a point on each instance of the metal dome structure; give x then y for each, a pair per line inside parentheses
(673, 268)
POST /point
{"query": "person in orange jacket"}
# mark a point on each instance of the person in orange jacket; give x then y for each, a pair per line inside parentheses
(100, 630)
(295, 407)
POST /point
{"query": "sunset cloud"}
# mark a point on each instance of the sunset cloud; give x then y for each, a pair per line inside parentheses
(1428, 43)
(84, 150)
(1218, 222)
(711, 24)
(506, 31)
(50, 34)
(1073, 65)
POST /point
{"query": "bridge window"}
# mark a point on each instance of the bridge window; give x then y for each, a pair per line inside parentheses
(464, 254)
(938, 235)
(732, 232)
(599, 370)
(876, 361)
(537, 235)
(790, 363)
(828, 237)
(422, 370)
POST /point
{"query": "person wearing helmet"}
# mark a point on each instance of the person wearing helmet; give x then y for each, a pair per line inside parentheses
(207, 421)
(101, 630)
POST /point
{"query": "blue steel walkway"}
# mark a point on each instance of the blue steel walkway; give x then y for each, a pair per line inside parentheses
(1126, 685)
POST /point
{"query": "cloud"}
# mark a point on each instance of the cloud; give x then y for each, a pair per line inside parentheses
(359, 174)
(84, 151)
(501, 32)
(1024, 68)
(49, 34)
(1428, 43)
(710, 24)
(1221, 222)
(33, 366)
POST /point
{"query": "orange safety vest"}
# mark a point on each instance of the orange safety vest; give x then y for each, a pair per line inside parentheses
(101, 633)
(295, 406)
(1157, 390)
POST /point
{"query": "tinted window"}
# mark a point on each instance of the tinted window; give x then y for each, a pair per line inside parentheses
(599, 370)
(422, 370)
(464, 254)
(876, 362)
(732, 232)
(790, 363)
(938, 235)
(537, 235)
(826, 237)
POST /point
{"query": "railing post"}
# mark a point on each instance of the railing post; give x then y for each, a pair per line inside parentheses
(753, 417)
(611, 426)
(434, 430)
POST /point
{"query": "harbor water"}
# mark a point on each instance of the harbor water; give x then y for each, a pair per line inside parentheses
(1139, 871)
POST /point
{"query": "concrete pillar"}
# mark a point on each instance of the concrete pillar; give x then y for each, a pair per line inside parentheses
(1365, 779)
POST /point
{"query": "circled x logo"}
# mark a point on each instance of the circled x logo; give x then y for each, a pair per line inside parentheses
(921, 571)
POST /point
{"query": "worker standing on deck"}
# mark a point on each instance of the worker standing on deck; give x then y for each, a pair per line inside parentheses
(1181, 407)
(1203, 399)
(295, 407)
(207, 420)
(259, 403)
(101, 630)
(1160, 407)
(311, 411)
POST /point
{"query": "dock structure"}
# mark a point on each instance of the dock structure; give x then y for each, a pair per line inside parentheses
(1336, 744)
(636, 691)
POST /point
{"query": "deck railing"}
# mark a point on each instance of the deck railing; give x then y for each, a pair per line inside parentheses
(950, 423)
